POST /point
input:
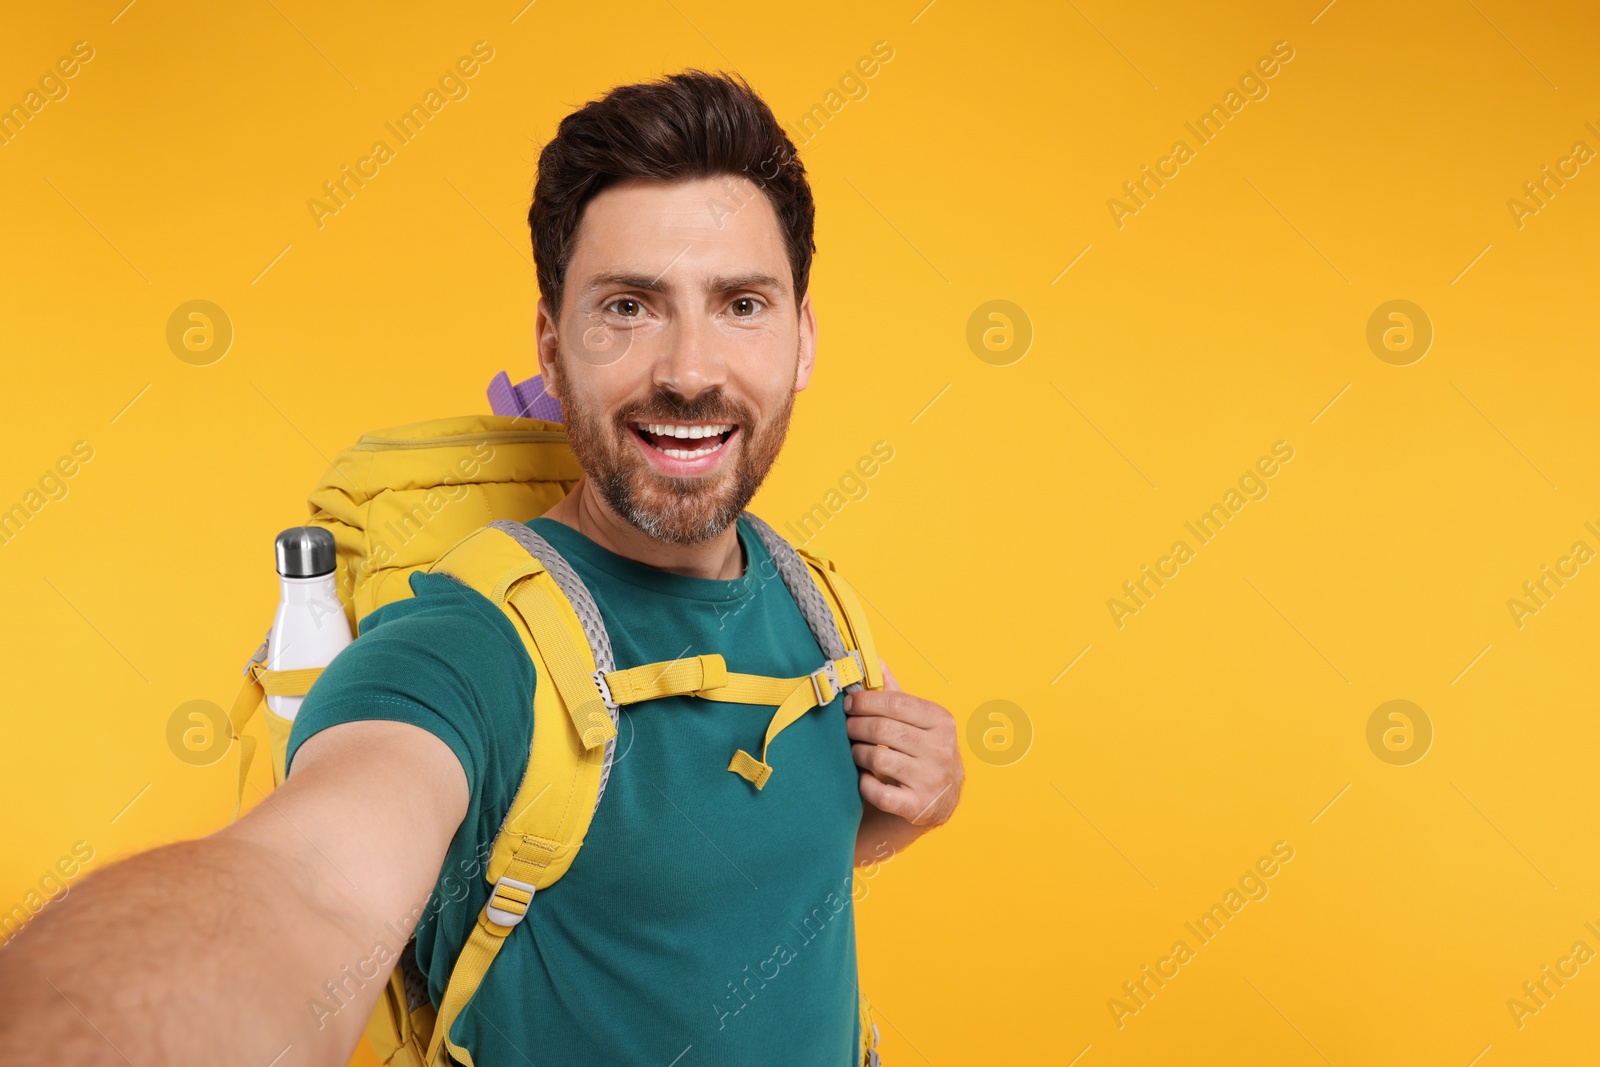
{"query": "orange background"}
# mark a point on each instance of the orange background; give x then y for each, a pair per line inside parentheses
(1229, 313)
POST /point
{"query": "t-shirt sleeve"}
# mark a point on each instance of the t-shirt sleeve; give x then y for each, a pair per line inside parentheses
(448, 661)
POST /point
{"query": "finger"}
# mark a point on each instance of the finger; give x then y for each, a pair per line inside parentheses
(894, 799)
(895, 704)
(887, 763)
(879, 730)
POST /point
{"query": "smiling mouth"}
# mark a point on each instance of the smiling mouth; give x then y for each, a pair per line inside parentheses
(685, 440)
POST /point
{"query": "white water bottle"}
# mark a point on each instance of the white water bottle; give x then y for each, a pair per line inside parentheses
(310, 627)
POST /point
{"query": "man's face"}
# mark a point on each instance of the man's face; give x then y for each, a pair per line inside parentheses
(678, 351)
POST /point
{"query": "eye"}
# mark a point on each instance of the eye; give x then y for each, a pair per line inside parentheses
(746, 306)
(632, 306)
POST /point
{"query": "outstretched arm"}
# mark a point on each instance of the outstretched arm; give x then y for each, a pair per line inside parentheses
(211, 951)
(910, 762)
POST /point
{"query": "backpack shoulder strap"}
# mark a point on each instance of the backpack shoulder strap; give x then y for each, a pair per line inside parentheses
(833, 612)
(826, 600)
(574, 734)
(577, 694)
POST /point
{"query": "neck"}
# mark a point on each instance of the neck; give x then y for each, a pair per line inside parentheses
(720, 558)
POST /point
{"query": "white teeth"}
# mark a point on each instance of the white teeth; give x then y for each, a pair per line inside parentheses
(675, 430)
(681, 453)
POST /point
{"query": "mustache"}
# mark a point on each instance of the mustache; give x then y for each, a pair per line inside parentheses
(664, 407)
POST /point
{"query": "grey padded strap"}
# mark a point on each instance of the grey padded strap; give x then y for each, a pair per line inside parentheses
(797, 577)
(588, 613)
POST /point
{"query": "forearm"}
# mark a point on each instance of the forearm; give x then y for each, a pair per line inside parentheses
(882, 835)
(199, 952)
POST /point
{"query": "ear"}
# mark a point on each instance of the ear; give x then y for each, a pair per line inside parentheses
(547, 340)
(808, 344)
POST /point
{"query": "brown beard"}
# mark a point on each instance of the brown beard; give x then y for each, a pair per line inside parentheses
(679, 511)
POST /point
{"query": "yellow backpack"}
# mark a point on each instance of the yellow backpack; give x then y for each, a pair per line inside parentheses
(453, 496)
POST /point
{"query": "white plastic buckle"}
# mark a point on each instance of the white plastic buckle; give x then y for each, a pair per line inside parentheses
(509, 918)
(832, 674)
(605, 690)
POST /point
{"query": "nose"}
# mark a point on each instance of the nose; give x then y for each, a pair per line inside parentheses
(691, 361)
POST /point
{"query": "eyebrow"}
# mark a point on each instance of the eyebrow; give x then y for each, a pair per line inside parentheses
(627, 279)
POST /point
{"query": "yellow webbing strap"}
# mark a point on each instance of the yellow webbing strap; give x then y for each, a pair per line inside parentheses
(296, 683)
(260, 683)
(704, 676)
(707, 677)
(837, 590)
(541, 837)
(800, 700)
(483, 944)
(677, 677)
(567, 661)
(251, 694)
(754, 689)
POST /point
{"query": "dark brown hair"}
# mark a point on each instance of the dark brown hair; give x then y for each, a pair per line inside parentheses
(683, 126)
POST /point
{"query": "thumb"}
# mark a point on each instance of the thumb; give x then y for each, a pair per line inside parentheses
(888, 677)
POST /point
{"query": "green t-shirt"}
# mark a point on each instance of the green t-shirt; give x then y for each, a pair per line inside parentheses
(704, 922)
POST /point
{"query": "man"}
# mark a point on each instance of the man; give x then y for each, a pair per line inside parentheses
(672, 229)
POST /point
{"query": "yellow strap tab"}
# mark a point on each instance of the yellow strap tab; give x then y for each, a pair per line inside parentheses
(513, 576)
(566, 658)
(749, 768)
(813, 690)
(296, 683)
(668, 678)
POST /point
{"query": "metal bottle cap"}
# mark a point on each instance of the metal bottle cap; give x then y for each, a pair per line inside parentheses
(305, 552)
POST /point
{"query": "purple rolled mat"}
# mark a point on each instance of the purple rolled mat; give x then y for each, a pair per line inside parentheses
(524, 400)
